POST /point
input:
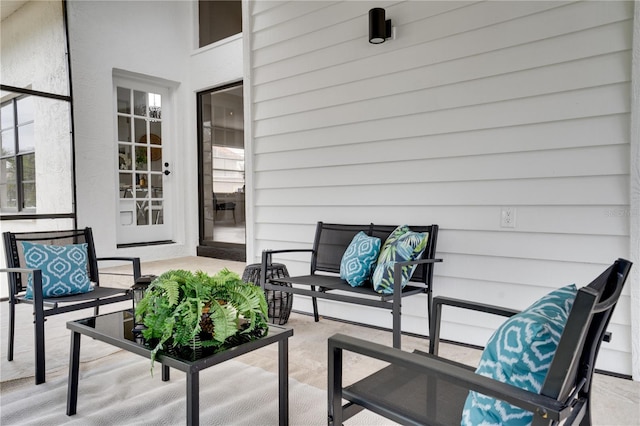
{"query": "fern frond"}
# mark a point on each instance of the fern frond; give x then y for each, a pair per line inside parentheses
(224, 321)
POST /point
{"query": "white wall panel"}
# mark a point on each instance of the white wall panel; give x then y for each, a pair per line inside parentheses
(424, 73)
(593, 220)
(474, 106)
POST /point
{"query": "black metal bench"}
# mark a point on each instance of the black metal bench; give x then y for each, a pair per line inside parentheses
(330, 243)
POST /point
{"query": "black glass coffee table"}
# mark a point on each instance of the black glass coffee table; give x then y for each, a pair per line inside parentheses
(116, 329)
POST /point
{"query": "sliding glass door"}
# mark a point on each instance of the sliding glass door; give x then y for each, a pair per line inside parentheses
(222, 184)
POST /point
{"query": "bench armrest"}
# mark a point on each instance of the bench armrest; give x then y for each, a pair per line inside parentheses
(440, 301)
(267, 260)
(135, 264)
(435, 367)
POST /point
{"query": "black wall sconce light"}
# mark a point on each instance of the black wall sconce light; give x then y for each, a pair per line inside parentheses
(379, 26)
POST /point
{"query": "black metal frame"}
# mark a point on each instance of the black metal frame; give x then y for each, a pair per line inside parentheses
(44, 307)
(211, 248)
(326, 255)
(191, 368)
(18, 155)
(565, 394)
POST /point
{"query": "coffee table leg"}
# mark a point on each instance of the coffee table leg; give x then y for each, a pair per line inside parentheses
(193, 398)
(74, 367)
(283, 381)
(165, 373)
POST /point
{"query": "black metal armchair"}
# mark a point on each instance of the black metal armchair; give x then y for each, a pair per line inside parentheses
(43, 306)
(423, 389)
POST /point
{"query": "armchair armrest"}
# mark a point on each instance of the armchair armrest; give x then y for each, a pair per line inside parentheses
(135, 264)
(433, 366)
(439, 302)
(37, 280)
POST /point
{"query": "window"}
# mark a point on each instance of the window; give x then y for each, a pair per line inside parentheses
(17, 159)
(218, 20)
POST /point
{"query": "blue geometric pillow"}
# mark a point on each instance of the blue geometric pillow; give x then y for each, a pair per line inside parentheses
(402, 245)
(64, 268)
(520, 353)
(359, 259)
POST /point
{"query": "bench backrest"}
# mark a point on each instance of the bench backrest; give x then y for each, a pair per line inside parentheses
(332, 240)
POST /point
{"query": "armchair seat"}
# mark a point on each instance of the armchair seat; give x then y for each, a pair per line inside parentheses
(59, 303)
(398, 381)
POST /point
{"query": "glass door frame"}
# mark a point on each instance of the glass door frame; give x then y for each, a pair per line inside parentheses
(207, 247)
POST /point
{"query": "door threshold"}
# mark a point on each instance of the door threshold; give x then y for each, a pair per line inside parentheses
(146, 243)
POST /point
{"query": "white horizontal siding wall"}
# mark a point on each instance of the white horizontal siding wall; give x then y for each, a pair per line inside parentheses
(474, 106)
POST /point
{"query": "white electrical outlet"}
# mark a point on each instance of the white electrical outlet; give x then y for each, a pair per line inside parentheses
(508, 217)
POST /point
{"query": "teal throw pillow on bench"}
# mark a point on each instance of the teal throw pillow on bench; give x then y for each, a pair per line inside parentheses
(520, 353)
(402, 245)
(359, 259)
(64, 268)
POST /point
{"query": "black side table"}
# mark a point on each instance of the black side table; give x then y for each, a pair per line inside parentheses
(279, 302)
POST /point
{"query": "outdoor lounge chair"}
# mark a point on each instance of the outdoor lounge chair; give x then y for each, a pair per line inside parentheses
(66, 259)
(420, 388)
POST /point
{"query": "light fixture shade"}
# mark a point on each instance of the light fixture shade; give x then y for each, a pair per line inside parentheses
(379, 27)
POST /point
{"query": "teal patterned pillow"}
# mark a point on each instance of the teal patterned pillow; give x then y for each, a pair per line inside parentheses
(402, 245)
(359, 259)
(64, 268)
(520, 353)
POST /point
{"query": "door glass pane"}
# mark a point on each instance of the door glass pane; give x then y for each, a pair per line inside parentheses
(156, 186)
(124, 129)
(155, 128)
(126, 185)
(140, 130)
(142, 212)
(222, 153)
(155, 106)
(140, 103)
(141, 158)
(124, 157)
(124, 100)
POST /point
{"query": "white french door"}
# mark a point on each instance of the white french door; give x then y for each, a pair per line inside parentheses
(144, 168)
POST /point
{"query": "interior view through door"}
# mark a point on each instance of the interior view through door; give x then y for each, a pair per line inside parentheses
(222, 184)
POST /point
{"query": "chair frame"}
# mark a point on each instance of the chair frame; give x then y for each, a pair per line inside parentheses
(44, 307)
(565, 394)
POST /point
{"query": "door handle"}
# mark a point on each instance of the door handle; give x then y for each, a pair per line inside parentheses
(167, 172)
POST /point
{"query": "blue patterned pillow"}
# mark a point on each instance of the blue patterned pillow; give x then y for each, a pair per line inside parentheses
(359, 259)
(401, 245)
(520, 353)
(64, 268)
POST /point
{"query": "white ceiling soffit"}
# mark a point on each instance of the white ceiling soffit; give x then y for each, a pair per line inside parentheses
(7, 7)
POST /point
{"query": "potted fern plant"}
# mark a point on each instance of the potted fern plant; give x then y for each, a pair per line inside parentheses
(182, 309)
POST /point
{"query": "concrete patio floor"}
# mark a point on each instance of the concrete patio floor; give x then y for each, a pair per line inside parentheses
(615, 401)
